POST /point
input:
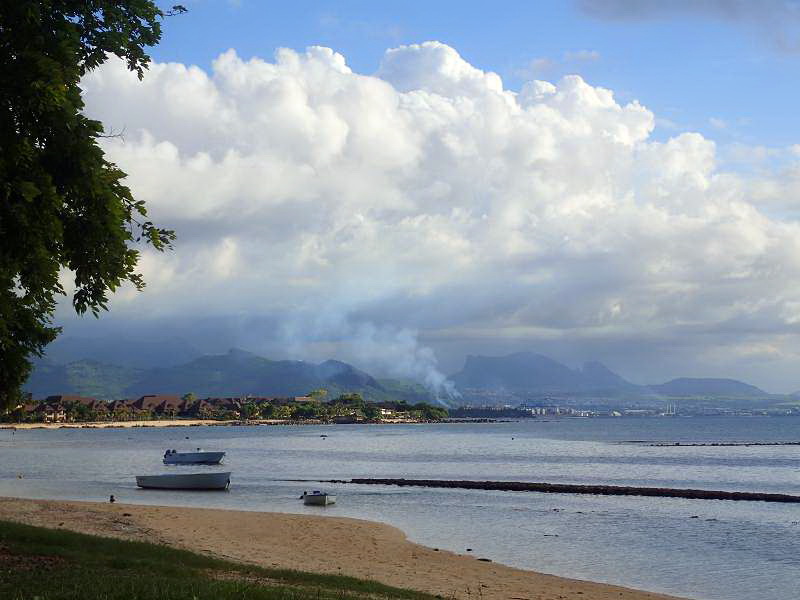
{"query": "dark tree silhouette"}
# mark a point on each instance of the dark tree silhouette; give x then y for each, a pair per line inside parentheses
(64, 209)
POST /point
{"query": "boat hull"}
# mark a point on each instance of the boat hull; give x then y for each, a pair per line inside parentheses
(194, 458)
(185, 481)
(319, 500)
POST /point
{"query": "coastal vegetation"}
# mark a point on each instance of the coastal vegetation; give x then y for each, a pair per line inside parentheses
(52, 564)
(345, 408)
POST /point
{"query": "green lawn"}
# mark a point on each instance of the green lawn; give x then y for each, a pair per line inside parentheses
(48, 564)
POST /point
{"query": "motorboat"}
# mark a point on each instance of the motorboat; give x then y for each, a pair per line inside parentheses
(198, 457)
(185, 481)
(318, 498)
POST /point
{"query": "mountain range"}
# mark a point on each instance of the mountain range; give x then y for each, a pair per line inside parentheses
(535, 373)
(529, 374)
(234, 374)
(518, 377)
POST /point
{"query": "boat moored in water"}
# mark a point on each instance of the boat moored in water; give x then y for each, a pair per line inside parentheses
(185, 481)
(318, 498)
(199, 457)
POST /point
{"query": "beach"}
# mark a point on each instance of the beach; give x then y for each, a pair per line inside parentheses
(317, 544)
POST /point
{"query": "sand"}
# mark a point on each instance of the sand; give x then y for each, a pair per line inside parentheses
(318, 544)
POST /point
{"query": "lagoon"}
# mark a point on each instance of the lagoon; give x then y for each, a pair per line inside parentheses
(693, 548)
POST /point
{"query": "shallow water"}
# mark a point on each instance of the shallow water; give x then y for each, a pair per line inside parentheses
(695, 548)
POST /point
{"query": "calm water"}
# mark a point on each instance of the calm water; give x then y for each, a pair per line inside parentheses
(694, 548)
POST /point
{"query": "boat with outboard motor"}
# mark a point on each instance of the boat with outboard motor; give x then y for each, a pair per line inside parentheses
(318, 498)
(198, 457)
(185, 481)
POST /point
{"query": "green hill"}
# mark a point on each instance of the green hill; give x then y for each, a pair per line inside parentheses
(237, 373)
(82, 378)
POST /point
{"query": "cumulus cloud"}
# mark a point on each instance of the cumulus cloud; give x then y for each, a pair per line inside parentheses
(430, 202)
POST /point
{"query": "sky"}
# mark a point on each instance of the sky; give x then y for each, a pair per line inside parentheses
(402, 184)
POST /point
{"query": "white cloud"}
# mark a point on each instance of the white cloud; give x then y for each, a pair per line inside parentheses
(543, 66)
(582, 55)
(666, 123)
(750, 155)
(536, 67)
(718, 123)
(430, 198)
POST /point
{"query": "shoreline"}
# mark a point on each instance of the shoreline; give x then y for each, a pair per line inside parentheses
(136, 424)
(341, 545)
(222, 423)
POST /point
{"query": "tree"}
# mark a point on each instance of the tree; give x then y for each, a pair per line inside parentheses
(430, 413)
(63, 206)
(82, 412)
(304, 411)
(371, 411)
(353, 399)
(248, 411)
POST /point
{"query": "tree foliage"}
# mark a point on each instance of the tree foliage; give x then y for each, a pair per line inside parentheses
(64, 209)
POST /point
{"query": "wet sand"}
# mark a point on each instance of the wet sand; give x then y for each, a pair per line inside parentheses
(318, 544)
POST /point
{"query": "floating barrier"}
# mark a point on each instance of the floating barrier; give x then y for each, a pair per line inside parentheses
(715, 444)
(566, 488)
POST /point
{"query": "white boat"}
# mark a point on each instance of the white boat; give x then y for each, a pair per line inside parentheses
(185, 481)
(199, 457)
(317, 498)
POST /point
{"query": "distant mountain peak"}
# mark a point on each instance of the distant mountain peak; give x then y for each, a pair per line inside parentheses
(332, 362)
(595, 366)
(239, 353)
(532, 374)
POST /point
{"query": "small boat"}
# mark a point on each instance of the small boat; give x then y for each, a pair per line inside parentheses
(317, 498)
(185, 481)
(199, 457)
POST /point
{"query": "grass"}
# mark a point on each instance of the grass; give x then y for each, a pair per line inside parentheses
(47, 564)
